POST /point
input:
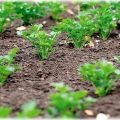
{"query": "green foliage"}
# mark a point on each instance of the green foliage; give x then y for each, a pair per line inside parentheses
(5, 112)
(115, 6)
(104, 15)
(29, 11)
(117, 58)
(77, 32)
(87, 5)
(106, 21)
(42, 41)
(32, 11)
(64, 102)
(55, 9)
(29, 110)
(6, 15)
(102, 75)
(6, 65)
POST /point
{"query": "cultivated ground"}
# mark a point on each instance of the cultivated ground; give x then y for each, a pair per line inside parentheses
(32, 82)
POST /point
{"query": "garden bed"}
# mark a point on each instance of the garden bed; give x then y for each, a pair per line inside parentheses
(33, 81)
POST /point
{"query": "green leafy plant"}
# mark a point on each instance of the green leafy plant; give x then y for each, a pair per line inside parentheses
(55, 9)
(65, 102)
(30, 11)
(42, 41)
(104, 18)
(106, 21)
(6, 15)
(3, 24)
(115, 6)
(87, 5)
(101, 74)
(5, 112)
(77, 32)
(29, 110)
(6, 65)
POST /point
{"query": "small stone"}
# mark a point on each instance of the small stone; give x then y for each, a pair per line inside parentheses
(89, 112)
(44, 22)
(102, 116)
(70, 11)
(21, 28)
(21, 89)
(97, 41)
(1, 98)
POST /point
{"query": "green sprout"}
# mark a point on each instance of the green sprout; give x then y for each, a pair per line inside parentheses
(6, 65)
(42, 41)
(101, 74)
(64, 102)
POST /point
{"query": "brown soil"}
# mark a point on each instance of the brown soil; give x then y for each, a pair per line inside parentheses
(33, 81)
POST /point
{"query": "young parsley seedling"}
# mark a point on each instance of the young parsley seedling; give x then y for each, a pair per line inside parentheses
(102, 75)
(77, 31)
(5, 112)
(29, 110)
(6, 65)
(6, 15)
(64, 102)
(104, 18)
(30, 11)
(55, 9)
(42, 41)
